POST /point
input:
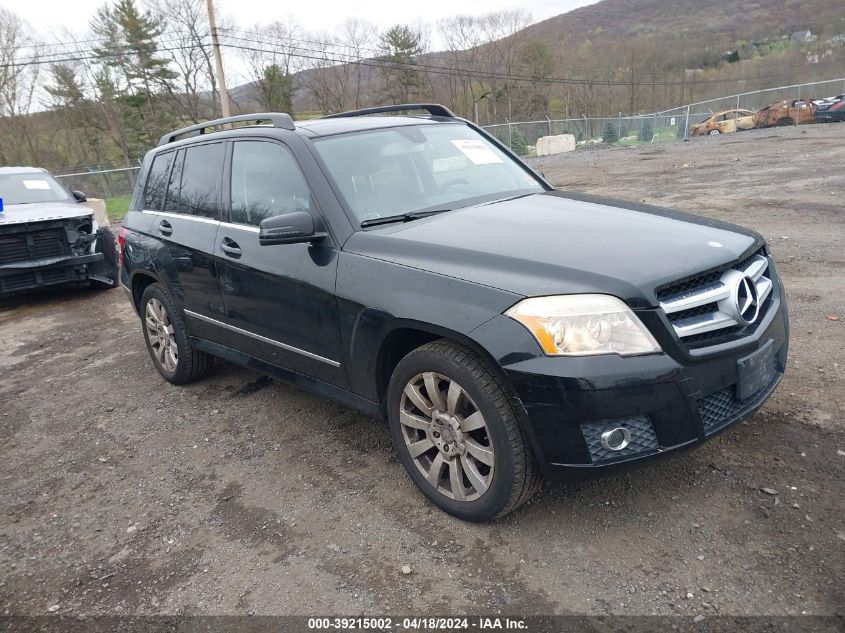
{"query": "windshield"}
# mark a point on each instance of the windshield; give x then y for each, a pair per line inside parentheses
(408, 169)
(31, 187)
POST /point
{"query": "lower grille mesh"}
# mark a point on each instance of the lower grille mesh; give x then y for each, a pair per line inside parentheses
(720, 407)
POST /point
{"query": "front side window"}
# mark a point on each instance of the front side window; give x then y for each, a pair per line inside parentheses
(266, 181)
(417, 168)
(31, 188)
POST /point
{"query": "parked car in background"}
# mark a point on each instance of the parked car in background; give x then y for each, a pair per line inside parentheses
(831, 109)
(48, 237)
(725, 122)
(786, 112)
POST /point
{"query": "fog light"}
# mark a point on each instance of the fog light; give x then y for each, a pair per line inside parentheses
(616, 439)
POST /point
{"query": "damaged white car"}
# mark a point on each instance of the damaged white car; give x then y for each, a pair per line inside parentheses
(48, 237)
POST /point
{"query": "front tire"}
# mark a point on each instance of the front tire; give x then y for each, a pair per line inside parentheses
(457, 434)
(167, 339)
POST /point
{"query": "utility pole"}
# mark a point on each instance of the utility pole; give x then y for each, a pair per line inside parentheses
(221, 78)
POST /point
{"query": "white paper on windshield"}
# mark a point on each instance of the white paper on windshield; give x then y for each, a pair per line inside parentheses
(478, 152)
(36, 184)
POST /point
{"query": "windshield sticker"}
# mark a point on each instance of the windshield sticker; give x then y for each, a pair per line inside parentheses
(478, 152)
(36, 184)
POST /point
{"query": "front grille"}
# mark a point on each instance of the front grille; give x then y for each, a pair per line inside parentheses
(18, 247)
(643, 438)
(722, 406)
(701, 308)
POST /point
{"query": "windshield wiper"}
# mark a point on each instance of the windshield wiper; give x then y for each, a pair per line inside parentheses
(402, 217)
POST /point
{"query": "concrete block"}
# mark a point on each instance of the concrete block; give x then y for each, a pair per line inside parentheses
(99, 208)
(557, 144)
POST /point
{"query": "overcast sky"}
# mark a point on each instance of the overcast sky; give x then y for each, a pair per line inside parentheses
(48, 17)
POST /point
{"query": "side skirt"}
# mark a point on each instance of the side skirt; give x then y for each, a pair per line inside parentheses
(296, 379)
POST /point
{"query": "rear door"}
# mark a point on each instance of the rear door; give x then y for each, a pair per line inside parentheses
(187, 226)
(279, 300)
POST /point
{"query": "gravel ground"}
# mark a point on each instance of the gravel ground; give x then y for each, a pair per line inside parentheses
(121, 494)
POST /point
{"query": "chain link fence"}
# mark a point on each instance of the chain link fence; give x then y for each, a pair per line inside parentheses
(799, 104)
(112, 185)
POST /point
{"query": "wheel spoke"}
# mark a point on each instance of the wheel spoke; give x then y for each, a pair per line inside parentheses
(475, 477)
(418, 399)
(171, 357)
(152, 324)
(414, 421)
(473, 422)
(456, 478)
(151, 313)
(453, 396)
(433, 476)
(418, 448)
(433, 391)
(479, 452)
(162, 350)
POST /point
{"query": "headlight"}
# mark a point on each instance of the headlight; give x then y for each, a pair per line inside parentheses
(584, 325)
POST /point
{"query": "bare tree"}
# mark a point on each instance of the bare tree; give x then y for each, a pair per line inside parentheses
(272, 61)
(194, 91)
(19, 77)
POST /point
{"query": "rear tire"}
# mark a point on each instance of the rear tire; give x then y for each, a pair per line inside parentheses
(457, 433)
(167, 339)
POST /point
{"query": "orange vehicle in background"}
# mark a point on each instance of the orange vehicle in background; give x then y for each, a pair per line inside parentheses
(724, 122)
(786, 112)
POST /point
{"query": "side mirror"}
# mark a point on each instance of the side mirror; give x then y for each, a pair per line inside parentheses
(295, 227)
(79, 196)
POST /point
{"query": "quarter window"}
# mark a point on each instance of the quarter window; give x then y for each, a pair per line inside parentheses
(266, 181)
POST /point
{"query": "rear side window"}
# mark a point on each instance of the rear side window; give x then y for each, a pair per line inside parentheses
(194, 187)
(266, 181)
(157, 182)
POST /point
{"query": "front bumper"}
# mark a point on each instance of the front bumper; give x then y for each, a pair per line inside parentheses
(668, 401)
(28, 275)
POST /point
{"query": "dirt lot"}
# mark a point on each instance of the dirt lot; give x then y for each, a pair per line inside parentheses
(121, 494)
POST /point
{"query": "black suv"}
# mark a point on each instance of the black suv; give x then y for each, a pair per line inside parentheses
(413, 267)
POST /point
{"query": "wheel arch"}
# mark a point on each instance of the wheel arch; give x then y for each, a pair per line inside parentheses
(139, 282)
(402, 337)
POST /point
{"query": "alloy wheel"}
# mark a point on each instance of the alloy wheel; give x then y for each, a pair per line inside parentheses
(161, 335)
(446, 436)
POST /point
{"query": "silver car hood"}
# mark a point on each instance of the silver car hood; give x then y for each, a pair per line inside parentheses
(41, 212)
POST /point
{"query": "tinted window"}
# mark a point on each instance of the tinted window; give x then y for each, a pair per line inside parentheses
(266, 181)
(199, 193)
(157, 182)
(172, 202)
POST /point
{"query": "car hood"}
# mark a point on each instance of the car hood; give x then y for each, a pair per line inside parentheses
(561, 243)
(41, 212)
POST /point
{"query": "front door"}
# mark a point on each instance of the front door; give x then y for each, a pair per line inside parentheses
(278, 300)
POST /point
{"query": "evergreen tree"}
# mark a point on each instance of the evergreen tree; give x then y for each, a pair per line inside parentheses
(611, 132)
(401, 45)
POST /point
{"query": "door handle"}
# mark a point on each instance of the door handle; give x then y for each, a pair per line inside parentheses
(231, 248)
(164, 228)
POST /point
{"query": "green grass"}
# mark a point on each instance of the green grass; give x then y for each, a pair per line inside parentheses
(117, 207)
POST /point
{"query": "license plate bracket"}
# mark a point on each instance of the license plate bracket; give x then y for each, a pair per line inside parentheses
(755, 371)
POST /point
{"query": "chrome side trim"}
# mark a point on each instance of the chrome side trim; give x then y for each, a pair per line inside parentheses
(764, 288)
(263, 339)
(181, 216)
(240, 227)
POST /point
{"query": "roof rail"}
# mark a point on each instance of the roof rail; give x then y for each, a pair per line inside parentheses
(434, 109)
(276, 119)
